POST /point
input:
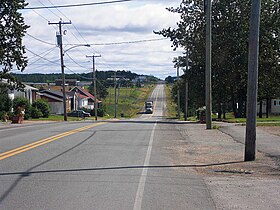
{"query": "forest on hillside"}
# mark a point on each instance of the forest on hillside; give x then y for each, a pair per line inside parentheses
(101, 75)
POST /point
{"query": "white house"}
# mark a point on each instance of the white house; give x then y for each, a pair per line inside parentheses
(275, 106)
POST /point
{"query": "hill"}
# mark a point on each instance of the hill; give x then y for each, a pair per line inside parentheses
(101, 75)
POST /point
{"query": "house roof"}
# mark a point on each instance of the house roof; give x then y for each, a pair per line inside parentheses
(54, 93)
(84, 92)
(52, 97)
(30, 87)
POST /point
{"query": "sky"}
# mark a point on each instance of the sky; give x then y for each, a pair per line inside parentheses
(100, 25)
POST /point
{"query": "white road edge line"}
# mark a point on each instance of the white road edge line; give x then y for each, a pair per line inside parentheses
(142, 181)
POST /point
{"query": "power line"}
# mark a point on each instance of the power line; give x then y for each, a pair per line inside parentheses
(75, 61)
(78, 74)
(77, 5)
(42, 57)
(126, 42)
(47, 52)
(49, 9)
(40, 40)
(72, 25)
(58, 10)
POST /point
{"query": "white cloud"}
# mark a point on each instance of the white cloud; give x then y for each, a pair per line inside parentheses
(102, 24)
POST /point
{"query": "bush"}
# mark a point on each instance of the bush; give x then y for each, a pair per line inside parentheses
(100, 112)
(36, 113)
(43, 107)
(5, 102)
(20, 103)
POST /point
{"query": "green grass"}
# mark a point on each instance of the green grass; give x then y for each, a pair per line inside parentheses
(268, 124)
(57, 118)
(271, 121)
(171, 111)
(130, 101)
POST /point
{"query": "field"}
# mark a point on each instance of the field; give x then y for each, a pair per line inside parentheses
(130, 101)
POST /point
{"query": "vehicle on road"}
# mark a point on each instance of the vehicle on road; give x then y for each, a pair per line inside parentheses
(78, 113)
(149, 105)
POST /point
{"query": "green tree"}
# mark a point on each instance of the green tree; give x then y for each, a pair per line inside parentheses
(230, 32)
(5, 101)
(269, 68)
(12, 29)
(101, 90)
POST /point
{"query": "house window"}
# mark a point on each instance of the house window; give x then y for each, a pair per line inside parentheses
(279, 103)
(274, 103)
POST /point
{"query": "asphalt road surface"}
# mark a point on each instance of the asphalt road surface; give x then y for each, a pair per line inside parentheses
(122, 164)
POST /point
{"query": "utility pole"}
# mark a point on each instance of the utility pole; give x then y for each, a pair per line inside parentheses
(115, 90)
(208, 98)
(94, 83)
(59, 43)
(252, 89)
(187, 86)
(178, 94)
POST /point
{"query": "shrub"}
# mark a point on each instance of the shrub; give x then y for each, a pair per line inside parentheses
(20, 103)
(43, 106)
(36, 113)
(5, 102)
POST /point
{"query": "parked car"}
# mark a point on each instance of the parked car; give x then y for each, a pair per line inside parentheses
(78, 113)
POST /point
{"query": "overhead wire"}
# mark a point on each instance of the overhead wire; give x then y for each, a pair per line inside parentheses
(45, 53)
(76, 62)
(77, 5)
(129, 42)
(55, 62)
(40, 40)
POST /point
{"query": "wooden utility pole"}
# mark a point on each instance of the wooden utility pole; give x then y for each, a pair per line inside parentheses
(208, 85)
(59, 43)
(94, 83)
(187, 86)
(178, 94)
(187, 97)
(115, 91)
(252, 89)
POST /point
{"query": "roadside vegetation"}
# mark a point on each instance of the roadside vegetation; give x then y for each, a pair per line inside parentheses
(171, 107)
(130, 101)
(229, 60)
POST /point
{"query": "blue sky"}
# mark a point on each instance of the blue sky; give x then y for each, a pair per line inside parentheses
(97, 25)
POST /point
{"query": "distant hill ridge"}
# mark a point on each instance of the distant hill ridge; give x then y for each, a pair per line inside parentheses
(103, 75)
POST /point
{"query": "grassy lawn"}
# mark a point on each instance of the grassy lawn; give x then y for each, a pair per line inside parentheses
(130, 101)
(271, 121)
(58, 118)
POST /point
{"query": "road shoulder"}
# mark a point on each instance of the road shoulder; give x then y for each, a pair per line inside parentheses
(233, 183)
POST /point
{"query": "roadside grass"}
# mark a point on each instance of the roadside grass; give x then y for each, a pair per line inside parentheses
(268, 124)
(270, 121)
(57, 118)
(130, 101)
(171, 106)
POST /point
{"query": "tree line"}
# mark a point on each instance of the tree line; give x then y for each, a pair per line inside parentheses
(230, 35)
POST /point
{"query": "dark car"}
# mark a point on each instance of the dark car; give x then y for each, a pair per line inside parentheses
(79, 113)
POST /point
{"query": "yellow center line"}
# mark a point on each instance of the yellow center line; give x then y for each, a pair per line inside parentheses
(41, 142)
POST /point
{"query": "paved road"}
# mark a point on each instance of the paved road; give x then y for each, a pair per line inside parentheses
(122, 164)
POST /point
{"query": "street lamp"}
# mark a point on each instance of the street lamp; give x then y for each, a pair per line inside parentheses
(62, 72)
(78, 45)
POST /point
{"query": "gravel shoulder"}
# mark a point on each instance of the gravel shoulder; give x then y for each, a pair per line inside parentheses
(274, 130)
(232, 183)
